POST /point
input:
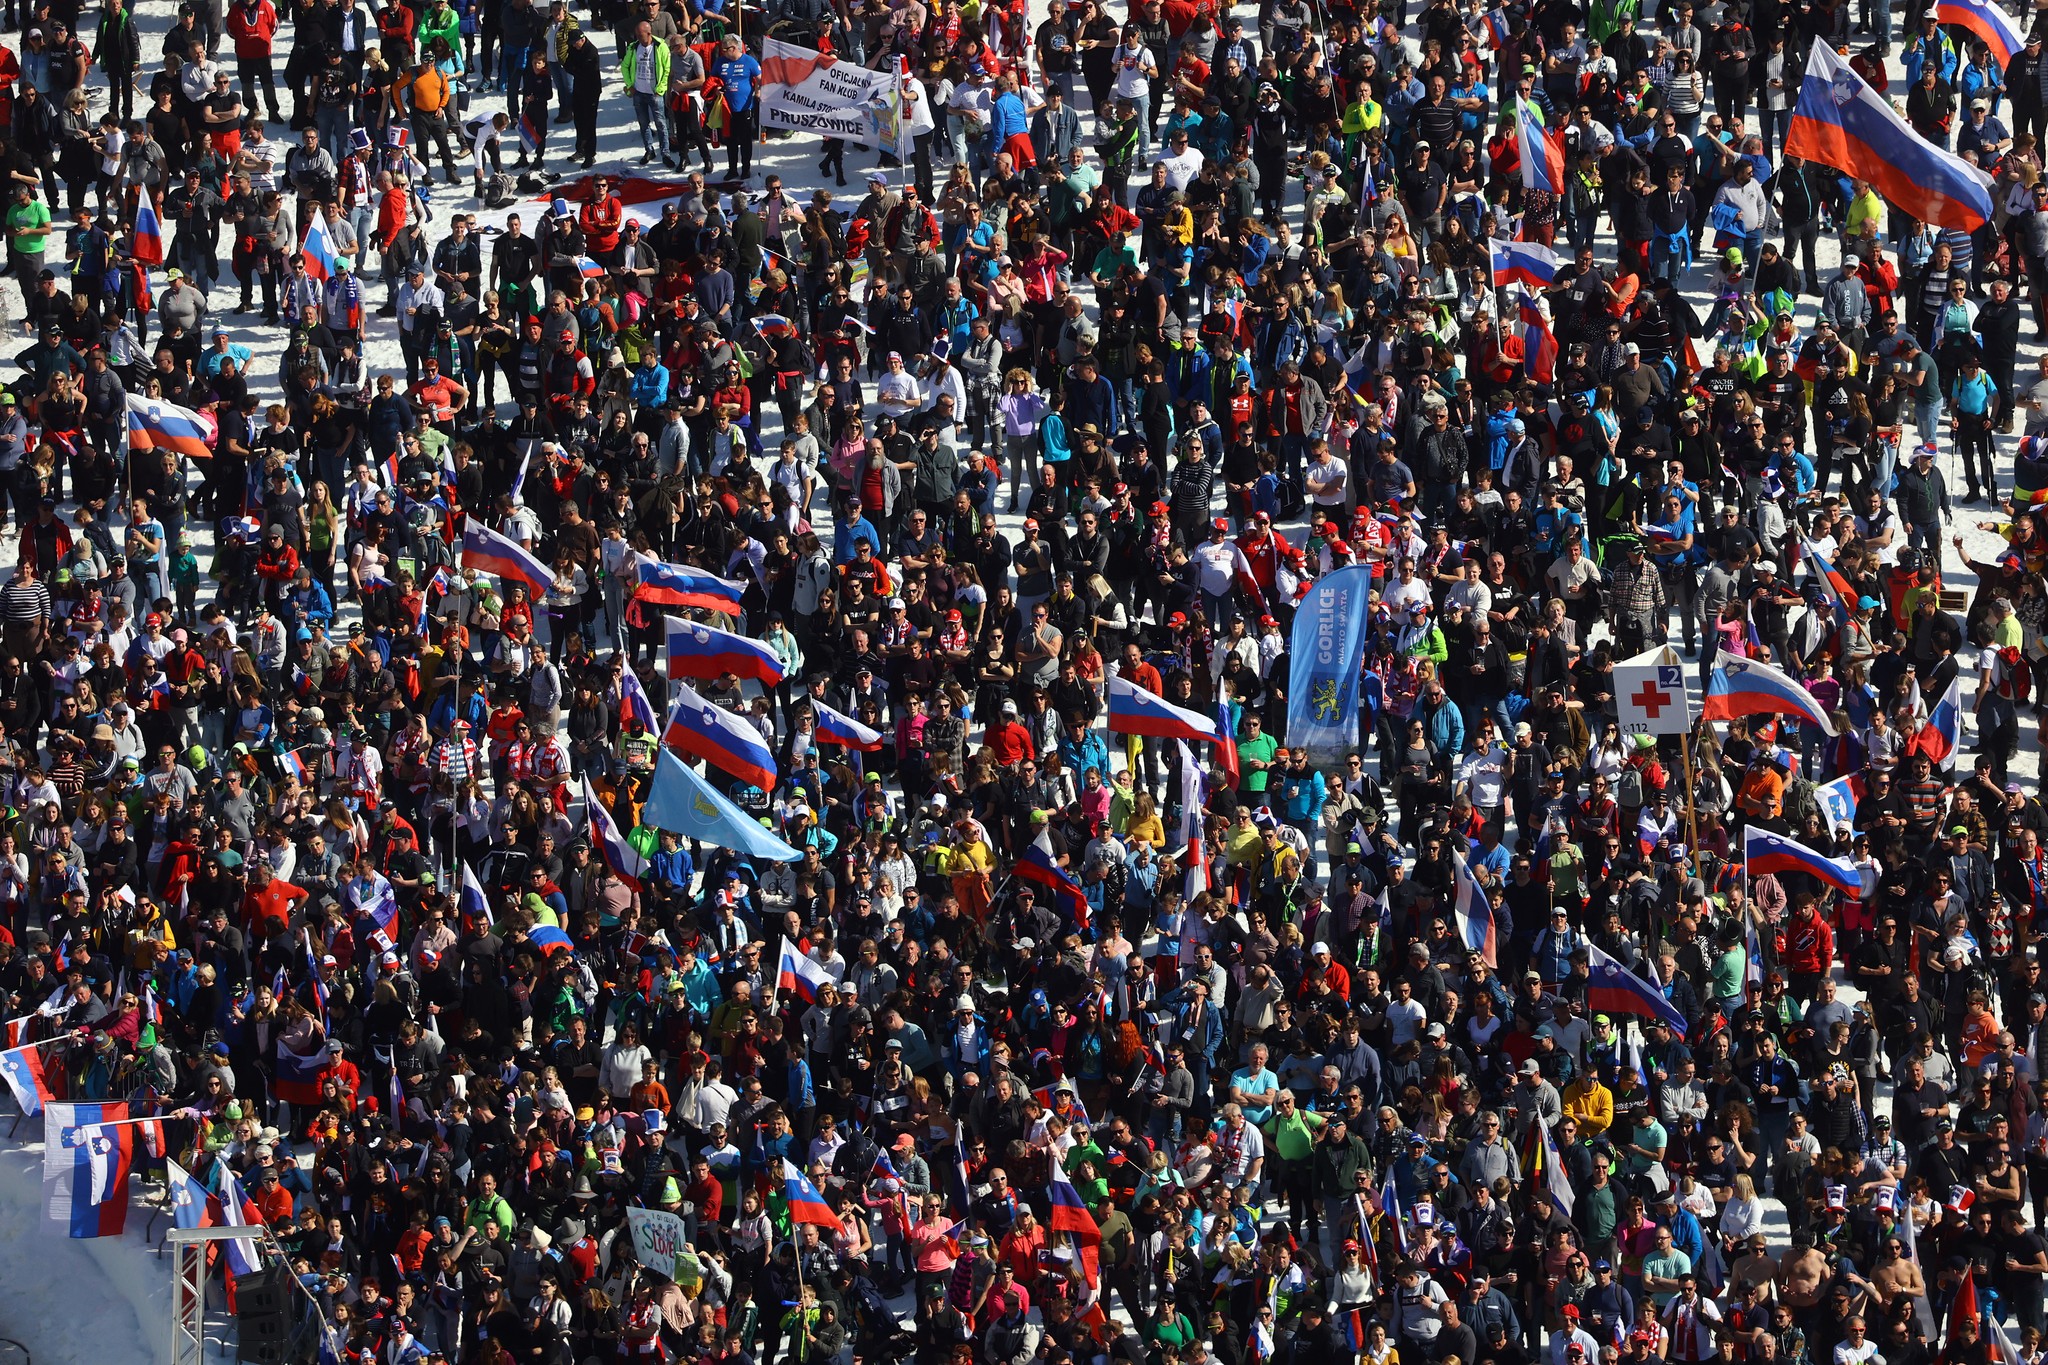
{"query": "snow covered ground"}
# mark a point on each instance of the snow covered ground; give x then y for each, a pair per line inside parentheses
(87, 1302)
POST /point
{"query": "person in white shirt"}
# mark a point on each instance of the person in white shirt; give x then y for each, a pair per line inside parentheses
(486, 134)
(1328, 479)
(1182, 162)
(1405, 1015)
(897, 391)
(1136, 69)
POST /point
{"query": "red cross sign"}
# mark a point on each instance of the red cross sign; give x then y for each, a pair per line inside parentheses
(1652, 699)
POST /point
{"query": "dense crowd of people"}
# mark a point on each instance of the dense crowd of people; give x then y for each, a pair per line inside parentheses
(1102, 1047)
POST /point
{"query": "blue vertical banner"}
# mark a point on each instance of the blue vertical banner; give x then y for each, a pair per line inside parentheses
(1324, 655)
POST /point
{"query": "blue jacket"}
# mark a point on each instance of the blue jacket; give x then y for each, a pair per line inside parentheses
(650, 387)
(1208, 1030)
(1444, 727)
(1006, 119)
(1087, 752)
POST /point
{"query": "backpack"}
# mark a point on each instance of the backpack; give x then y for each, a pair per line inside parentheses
(1801, 799)
(1629, 790)
(498, 192)
(2018, 679)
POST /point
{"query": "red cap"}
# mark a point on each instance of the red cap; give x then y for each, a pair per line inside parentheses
(1220, 524)
(1160, 509)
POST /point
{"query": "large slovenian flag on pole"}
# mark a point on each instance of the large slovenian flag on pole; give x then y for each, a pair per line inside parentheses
(677, 585)
(85, 1168)
(1039, 867)
(1542, 154)
(318, 249)
(1525, 263)
(22, 1068)
(1135, 711)
(1763, 851)
(485, 549)
(696, 651)
(1841, 122)
(1614, 989)
(806, 1205)
(727, 742)
(1474, 915)
(154, 424)
(1987, 21)
(621, 857)
(799, 975)
(834, 727)
(1747, 687)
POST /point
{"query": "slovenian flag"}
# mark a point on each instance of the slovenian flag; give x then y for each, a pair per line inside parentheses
(485, 549)
(1614, 989)
(1841, 121)
(298, 1078)
(318, 250)
(190, 1206)
(621, 857)
(833, 727)
(85, 1168)
(22, 1067)
(476, 906)
(1763, 851)
(1987, 21)
(383, 911)
(588, 268)
(1944, 728)
(1746, 687)
(549, 940)
(1542, 154)
(295, 765)
(1838, 799)
(148, 244)
(727, 742)
(1530, 264)
(799, 975)
(698, 651)
(1039, 867)
(806, 1205)
(774, 325)
(154, 424)
(633, 700)
(678, 585)
(1134, 710)
(238, 1212)
(1474, 915)
(1539, 342)
(1069, 1214)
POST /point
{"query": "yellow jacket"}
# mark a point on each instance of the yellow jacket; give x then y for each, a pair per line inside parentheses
(1591, 1106)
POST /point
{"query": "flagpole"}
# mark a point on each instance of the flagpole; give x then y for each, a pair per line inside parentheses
(45, 1042)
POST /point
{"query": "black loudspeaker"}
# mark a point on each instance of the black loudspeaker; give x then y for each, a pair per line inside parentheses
(263, 1316)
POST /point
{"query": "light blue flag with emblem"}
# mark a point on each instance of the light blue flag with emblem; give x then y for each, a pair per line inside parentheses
(684, 802)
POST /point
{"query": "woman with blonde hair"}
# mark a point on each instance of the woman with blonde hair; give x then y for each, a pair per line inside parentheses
(1023, 410)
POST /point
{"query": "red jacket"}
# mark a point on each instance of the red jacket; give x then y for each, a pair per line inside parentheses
(253, 27)
(280, 565)
(392, 212)
(1809, 944)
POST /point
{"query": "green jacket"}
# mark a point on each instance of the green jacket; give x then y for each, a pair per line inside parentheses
(628, 67)
(448, 29)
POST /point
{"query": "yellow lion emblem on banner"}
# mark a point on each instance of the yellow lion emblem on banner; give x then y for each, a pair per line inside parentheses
(1326, 699)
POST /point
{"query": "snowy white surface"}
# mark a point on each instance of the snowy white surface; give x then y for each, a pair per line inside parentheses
(77, 1302)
